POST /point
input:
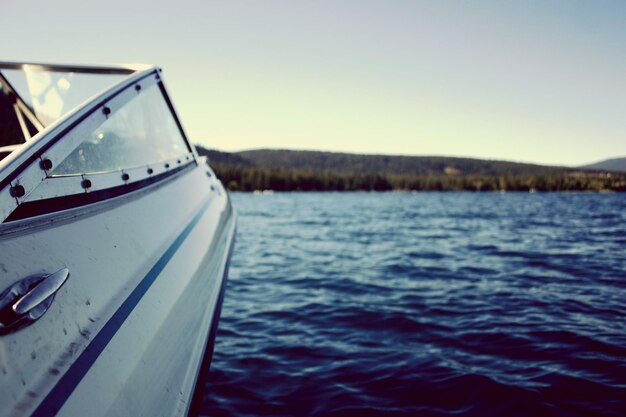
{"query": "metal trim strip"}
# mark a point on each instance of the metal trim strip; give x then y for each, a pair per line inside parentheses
(55, 399)
(69, 184)
(51, 205)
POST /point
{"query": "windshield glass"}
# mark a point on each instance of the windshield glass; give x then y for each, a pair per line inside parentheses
(51, 94)
(142, 132)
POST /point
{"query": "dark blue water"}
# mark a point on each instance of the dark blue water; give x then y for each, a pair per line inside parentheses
(424, 304)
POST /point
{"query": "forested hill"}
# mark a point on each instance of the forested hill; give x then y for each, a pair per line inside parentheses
(285, 170)
(374, 164)
(615, 164)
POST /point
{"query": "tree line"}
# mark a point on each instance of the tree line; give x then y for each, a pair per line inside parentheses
(246, 178)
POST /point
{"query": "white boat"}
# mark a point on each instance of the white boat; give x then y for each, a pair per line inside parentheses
(115, 239)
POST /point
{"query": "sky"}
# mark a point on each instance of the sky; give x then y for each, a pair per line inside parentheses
(533, 81)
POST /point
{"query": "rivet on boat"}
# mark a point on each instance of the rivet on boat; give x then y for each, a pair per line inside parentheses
(18, 191)
(45, 164)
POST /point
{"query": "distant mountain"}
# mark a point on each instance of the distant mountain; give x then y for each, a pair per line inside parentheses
(375, 164)
(615, 164)
(286, 170)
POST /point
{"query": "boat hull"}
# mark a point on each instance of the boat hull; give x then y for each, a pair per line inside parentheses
(128, 332)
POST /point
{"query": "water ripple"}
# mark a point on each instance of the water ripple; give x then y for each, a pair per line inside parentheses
(365, 304)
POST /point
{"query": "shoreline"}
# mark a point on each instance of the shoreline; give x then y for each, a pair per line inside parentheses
(270, 192)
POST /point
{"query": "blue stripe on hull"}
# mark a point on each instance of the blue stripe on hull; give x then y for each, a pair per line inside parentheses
(70, 380)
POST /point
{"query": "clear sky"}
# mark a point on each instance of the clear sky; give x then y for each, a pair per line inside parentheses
(538, 81)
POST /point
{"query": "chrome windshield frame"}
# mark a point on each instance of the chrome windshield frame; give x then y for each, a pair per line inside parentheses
(86, 69)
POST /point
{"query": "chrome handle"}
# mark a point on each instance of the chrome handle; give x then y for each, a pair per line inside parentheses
(46, 288)
(28, 299)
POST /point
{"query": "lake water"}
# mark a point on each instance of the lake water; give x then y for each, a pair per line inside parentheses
(427, 304)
